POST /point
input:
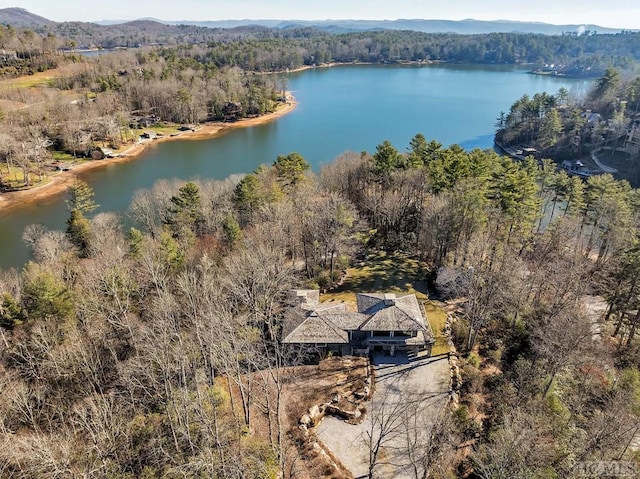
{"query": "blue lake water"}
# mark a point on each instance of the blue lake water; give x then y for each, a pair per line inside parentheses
(349, 108)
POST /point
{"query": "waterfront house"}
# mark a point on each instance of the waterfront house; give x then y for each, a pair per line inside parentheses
(576, 168)
(383, 322)
(591, 117)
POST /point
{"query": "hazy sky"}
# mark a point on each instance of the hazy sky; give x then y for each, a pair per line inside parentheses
(612, 13)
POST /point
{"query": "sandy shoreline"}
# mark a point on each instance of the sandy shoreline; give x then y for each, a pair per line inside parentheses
(61, 181)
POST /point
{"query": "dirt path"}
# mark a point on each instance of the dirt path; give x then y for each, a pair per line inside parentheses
(595, 307)
(61, 181)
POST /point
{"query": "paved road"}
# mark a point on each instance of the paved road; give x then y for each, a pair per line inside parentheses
(408, 396)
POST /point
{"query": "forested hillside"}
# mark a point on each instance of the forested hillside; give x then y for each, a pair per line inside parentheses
(269, 49)
(605, 123)
(90, 103)
(121, 347)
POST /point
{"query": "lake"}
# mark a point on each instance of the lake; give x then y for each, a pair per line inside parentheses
(339, 109)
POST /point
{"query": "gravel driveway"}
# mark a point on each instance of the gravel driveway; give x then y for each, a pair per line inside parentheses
(408, 397)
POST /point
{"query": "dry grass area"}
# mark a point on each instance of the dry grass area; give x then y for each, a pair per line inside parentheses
(437, 316)
(29, 90)
(14, 177)
(317, 384)
(39, 79)
(8, 105)
(43, 79)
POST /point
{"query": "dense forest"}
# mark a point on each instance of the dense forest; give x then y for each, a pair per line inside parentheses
(258, 48)
(606, 123)
(121, 347)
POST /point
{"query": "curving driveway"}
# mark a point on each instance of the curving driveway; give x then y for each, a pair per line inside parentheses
(602, 166)
(408, 397)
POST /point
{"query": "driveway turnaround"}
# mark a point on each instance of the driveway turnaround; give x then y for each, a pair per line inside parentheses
(408, 397)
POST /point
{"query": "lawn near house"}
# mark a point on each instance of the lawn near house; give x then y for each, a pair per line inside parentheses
(382, 273)
(398, 273)
(437, 317)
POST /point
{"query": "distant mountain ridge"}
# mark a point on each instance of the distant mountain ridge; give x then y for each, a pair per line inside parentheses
(467, 26)
(21, 17)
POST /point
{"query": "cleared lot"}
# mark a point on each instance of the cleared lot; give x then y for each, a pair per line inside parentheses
(407, 400)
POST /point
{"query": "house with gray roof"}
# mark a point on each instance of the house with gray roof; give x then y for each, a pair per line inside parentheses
(383, 322)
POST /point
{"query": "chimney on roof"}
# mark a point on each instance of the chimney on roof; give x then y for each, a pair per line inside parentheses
(305, 296)
(389, 299)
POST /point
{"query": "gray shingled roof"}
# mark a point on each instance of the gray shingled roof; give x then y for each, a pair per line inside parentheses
(367, 301)
(326, 308)
(330, 322)
(317, 328)
(391, 313)
(348, 321)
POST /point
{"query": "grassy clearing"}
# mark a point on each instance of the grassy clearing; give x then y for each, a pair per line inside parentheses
(382, 272)
(29, 81)
(164, 130)
(62, 156)
(12, 176)
(15, 178)
(393, 273)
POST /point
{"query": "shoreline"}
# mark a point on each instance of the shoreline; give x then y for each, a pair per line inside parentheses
(340, 64)
(62, 180)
